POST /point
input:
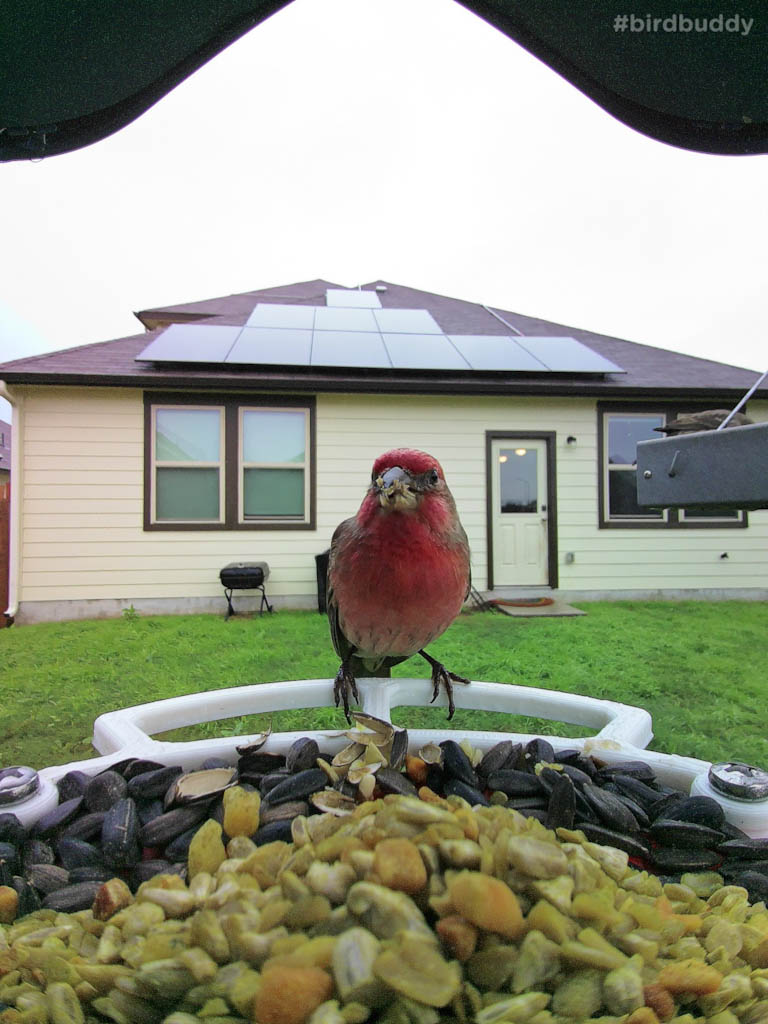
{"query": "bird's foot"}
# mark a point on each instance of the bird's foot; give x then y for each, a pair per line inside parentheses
(442, 677)
(343, 685)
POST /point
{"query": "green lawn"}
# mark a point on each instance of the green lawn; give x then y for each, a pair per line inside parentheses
(699, 668)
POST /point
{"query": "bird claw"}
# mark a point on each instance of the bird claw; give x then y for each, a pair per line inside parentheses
(343, 685)
(442, 677)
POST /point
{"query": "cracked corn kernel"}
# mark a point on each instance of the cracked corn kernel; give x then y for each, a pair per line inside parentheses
(486, 902)
(288, 995)
(206, 851)
(458, 936)
(690, 976)
(399, 865)
(241, 811)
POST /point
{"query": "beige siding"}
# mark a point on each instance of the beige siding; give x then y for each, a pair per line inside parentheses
(82, 535)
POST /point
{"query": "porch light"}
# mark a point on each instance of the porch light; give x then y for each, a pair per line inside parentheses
(570, 440)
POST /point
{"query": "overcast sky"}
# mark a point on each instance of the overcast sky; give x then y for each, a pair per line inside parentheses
(398, 139)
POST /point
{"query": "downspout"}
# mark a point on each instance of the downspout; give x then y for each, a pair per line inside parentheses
(15, 526)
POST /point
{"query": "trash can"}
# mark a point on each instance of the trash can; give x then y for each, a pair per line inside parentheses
(321, 565)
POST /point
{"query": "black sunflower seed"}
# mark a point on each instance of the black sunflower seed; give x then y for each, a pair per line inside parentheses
(104, 790)
(85, 827)
(610, 809)
(635, 788)
(502, 755)
(391, 781)
(686, 835)
(669, 858)
(457, 765)
(75, 853)
(747, 849)
(703, 810)
(537, 750)
(635, 846)
(756, 884)
(120, 835)
(72, 784)
(473, 796)
(298, 786)
(302, 754)
(276, 830)
(163, 829)
(153, 785)
(515, 783)
(561, 808)
(50, 823)
(72, 897)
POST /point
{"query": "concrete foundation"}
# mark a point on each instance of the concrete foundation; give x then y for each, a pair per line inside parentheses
(247, 602)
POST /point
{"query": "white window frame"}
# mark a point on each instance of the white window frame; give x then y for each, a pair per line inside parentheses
(608, 467)
(242, 465)
(156, 463)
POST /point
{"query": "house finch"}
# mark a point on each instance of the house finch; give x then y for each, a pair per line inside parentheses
(689, 422)
(398, 573)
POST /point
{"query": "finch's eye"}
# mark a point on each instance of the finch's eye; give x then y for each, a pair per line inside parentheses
(434, 476)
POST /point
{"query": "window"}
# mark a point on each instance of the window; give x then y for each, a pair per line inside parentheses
(273, 463)
(620, 428)
(231, 463)
(622, 432)
(188, 471)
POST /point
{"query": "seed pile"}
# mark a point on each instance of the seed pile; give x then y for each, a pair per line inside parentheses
(401, 910)
(137, 819)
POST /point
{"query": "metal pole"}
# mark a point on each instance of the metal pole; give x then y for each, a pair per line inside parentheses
(746, 398)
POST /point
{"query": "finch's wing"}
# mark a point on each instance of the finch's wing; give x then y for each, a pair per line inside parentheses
(341, 645)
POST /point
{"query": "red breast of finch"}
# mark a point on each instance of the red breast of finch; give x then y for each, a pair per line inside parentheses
(398, 573)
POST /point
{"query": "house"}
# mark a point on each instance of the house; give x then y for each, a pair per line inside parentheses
(244, 429)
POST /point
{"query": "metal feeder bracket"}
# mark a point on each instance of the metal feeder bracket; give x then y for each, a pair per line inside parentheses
(711, 469)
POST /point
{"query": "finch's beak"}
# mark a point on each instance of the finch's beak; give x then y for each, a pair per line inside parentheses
(394, 489)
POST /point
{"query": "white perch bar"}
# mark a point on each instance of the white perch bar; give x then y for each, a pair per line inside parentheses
(622, 731)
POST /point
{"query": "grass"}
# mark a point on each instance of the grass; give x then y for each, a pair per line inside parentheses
(697, 667)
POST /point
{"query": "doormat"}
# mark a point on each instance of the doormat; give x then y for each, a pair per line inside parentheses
(536, 608)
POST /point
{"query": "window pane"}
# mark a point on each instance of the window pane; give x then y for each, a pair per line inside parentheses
(710, 513)
(622, 496)
(188, 494)
(273, 436)
(187, 435)
(273, 492)
(518, 475)
(625, 431)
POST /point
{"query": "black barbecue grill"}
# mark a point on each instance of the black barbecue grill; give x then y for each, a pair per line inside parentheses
(245, 576)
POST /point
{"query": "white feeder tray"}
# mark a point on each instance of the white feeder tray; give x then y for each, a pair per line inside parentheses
(623, 732)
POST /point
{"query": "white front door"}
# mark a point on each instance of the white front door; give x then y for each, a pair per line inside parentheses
(519, 517)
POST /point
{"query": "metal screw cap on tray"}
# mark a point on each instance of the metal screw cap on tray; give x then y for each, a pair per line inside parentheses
(739, 781)
(17, 783)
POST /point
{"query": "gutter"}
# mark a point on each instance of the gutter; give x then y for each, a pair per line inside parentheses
(15, 526)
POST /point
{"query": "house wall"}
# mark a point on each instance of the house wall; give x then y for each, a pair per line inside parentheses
(84, 552)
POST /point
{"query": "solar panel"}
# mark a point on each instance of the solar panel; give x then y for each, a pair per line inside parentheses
(348, 348)
(354, 298)
(406, 321)
(272, 345)
(566, 355)
(191, 343)
(268, 314)
(495, 352)
(408, 339)
(342, 319)
(423, 352)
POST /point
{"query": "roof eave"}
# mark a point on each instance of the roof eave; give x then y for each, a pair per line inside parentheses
(411, 384)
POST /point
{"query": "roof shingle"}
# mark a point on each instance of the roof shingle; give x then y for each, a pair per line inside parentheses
(649, 370)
